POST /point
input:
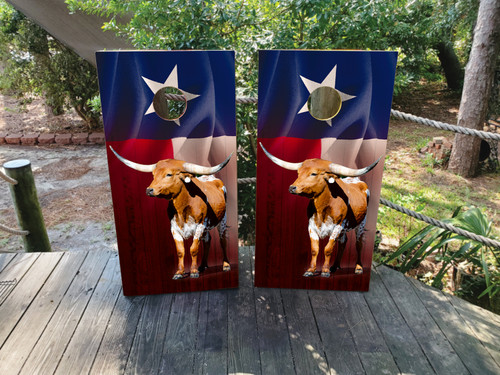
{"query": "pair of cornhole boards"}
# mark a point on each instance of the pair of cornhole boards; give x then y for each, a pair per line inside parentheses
(159, 105)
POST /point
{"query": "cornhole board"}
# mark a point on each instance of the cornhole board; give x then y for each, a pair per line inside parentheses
(355, 137)
(199, 127)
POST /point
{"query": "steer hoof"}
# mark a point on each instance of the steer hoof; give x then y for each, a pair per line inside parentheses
(308, 274)
(178, 276)
(325, 274)
(194, 275)
(358, 270)
(202, 268)
(226, 267)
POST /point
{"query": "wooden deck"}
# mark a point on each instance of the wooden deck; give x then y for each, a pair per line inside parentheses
(64, 313)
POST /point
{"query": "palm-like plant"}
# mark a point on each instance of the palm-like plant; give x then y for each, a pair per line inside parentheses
(450, 249)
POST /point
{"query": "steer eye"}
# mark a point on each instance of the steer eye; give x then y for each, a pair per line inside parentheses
(168, 175)
(314, 174)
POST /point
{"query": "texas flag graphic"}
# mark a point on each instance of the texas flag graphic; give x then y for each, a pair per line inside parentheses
(330, 105)
(161, 105)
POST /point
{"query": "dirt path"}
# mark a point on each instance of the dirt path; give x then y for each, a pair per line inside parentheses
(73, 190)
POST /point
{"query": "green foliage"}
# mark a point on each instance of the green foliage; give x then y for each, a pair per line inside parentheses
(35, 63)
(450, 249)
(410, 27)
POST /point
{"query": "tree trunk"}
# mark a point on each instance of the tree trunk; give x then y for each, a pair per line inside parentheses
(479, 72)
(451, 66)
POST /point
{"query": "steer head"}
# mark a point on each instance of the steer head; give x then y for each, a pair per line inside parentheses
(170, 175)
(314, 175)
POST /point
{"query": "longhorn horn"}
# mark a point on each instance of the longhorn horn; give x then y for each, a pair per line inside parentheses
(281, 163)
(136, 166)
(199, 169)
(340, 170)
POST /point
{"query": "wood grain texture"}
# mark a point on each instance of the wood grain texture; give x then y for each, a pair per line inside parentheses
(4, 261)
(274, 341)
(482, 322)
(146, 352)
(35, 319)
(114, 351)
(53, 342)
(179, 347)
(399, 326)
(470, 350)
(433, 342)
(243, 342)
(81, 350)
(398, 336)
(305, 341)
(212, 341)
(338, 343)
(370, 344)
(29, 283)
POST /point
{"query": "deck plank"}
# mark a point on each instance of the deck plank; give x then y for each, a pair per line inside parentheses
(212, 344)
(52, 344)
(370, 344)
(114, 350)
(274, 342)
(69, 308)
(146, 352)
(338, 343)
(84, 344)
(482, 322)
(243, 344)
(28, 286)
(398, 336)
(5, 259)
(307, 347)
(433, 342)
(179, 347)
(19, 346)
(468, 347)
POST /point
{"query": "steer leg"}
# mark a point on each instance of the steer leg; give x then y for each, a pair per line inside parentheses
(194, 258)
(314, 256)
(179, 245)
(360, 242)
(340, 252)
(325, 271)
(337, 231)
(223, 242)
(206, 248)
(195, 246)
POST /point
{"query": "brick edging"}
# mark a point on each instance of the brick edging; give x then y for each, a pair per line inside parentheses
(52, 138)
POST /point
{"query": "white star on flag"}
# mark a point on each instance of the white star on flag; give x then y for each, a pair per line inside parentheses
(171, 81)
(329, 81)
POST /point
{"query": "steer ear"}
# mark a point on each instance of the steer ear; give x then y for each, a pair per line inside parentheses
(330, 179)
(186, 177)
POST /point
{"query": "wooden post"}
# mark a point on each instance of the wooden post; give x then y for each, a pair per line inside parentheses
(29, 213)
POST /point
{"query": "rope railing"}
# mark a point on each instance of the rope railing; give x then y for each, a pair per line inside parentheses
(429, 220)
(394, 113)
(445, 126)
(16, 232)
(10, 180)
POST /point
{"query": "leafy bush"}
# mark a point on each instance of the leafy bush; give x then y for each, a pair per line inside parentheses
(35, 63)
(453, 250)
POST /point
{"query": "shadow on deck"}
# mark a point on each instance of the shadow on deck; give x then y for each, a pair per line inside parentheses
(64, 313)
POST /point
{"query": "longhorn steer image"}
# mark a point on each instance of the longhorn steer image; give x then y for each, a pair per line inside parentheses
(338, 204)
(197, 205)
